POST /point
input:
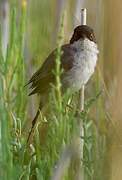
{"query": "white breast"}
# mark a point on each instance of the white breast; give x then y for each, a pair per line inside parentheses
(84, 64)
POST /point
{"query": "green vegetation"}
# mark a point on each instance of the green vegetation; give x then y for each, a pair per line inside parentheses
(56, 130)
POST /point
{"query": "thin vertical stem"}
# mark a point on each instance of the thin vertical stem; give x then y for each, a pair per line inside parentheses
(83, 16)
(81, 93)
(81, 98)
(81, 105)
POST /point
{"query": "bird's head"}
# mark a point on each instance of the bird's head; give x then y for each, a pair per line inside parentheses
(82, 32)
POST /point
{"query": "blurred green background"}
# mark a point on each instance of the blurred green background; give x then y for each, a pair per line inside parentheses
(41, 26)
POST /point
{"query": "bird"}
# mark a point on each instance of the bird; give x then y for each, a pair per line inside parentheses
(78, 61)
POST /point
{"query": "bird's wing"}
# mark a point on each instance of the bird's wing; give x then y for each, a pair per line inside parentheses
(40, 81)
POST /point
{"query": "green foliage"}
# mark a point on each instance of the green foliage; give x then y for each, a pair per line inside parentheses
(12, 97)
(17, 161)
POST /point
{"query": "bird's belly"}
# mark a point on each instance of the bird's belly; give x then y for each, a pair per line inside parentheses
(79, 74)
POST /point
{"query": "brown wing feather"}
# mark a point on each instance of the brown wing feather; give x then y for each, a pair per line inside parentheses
(40, 81)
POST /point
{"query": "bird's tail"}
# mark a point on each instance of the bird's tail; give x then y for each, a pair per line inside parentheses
(34, 123)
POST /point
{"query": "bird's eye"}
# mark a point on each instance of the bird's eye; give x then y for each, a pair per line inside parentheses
(91, 36)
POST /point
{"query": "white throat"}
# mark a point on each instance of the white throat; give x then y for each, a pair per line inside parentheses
(86, 45)
(84, 64)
